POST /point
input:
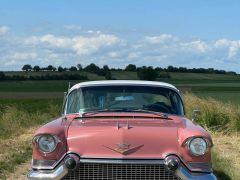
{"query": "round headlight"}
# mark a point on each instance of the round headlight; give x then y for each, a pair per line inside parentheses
(47, 143)
(198, 146)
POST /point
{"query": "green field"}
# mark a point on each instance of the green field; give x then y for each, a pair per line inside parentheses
(222, 87)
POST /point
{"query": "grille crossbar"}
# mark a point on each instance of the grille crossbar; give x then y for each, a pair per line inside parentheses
(121, 171)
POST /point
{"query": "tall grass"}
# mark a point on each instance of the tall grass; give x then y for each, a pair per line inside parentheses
(16, 127)
(215, 115)
(14, 120)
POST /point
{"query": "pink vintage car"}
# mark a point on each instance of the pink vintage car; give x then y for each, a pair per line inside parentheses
(122, 130)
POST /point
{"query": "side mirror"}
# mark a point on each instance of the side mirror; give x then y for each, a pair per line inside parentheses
(196, 113)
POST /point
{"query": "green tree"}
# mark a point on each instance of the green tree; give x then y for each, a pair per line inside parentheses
(147, 73)
(27, 67)
(106, 68)
(36, 68)
(73, 68)
(131, 67)
(92, 68)
(60, 69)
(50, 68)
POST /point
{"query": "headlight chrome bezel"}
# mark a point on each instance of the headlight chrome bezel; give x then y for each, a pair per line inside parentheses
(208, 145)
(37, 138)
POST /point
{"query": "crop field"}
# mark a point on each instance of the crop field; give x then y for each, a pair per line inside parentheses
(26, 105)
(222, 87)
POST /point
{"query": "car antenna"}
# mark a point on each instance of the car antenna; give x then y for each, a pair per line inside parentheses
(69, 86)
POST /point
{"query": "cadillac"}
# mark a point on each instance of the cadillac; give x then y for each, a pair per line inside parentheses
(122, 130)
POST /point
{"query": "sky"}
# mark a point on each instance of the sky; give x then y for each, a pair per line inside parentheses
(159, 33)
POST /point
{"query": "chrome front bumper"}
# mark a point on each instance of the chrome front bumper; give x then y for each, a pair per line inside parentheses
(184, 174)
(58, 173)
(61, 170)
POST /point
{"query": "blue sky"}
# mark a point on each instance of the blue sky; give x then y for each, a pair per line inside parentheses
(199, 33)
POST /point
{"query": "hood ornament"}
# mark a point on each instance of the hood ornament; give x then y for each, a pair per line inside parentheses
(124, 148)
(119, 126)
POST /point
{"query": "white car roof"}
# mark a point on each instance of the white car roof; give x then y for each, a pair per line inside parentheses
(123, 82)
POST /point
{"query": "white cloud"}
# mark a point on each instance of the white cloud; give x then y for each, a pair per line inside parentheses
(103, 48)
(19, 58)
(233, 46)
(163, 38)
(82, 45)
(4, 30)
(134, 55)
(24, 55)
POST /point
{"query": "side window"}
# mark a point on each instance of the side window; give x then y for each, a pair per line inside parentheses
(73, 102)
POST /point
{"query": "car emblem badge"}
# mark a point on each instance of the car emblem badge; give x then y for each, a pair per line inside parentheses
(124, 148)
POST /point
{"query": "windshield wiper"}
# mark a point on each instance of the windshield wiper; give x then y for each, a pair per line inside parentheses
(160, 114)
(92, 112)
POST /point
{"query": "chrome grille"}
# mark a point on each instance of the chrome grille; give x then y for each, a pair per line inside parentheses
(109, 171)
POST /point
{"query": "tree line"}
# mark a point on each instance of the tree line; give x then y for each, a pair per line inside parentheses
(67, 73)
(131, 67)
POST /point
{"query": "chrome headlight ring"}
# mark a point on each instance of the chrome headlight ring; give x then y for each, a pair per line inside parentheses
(46, 143)
(198, 146)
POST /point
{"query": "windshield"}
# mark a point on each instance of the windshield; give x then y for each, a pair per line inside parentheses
(115, 97)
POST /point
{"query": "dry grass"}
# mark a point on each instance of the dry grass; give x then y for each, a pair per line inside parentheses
(227, 147)
(14, 151)
(13, 144)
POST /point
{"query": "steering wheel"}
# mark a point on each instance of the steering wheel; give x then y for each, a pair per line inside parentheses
(159, 107)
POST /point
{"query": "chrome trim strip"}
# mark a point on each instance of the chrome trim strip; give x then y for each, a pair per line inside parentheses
(43, 164)
(49, 167)
(122, 161)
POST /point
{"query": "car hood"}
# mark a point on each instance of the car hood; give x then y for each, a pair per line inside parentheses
(124, 137)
